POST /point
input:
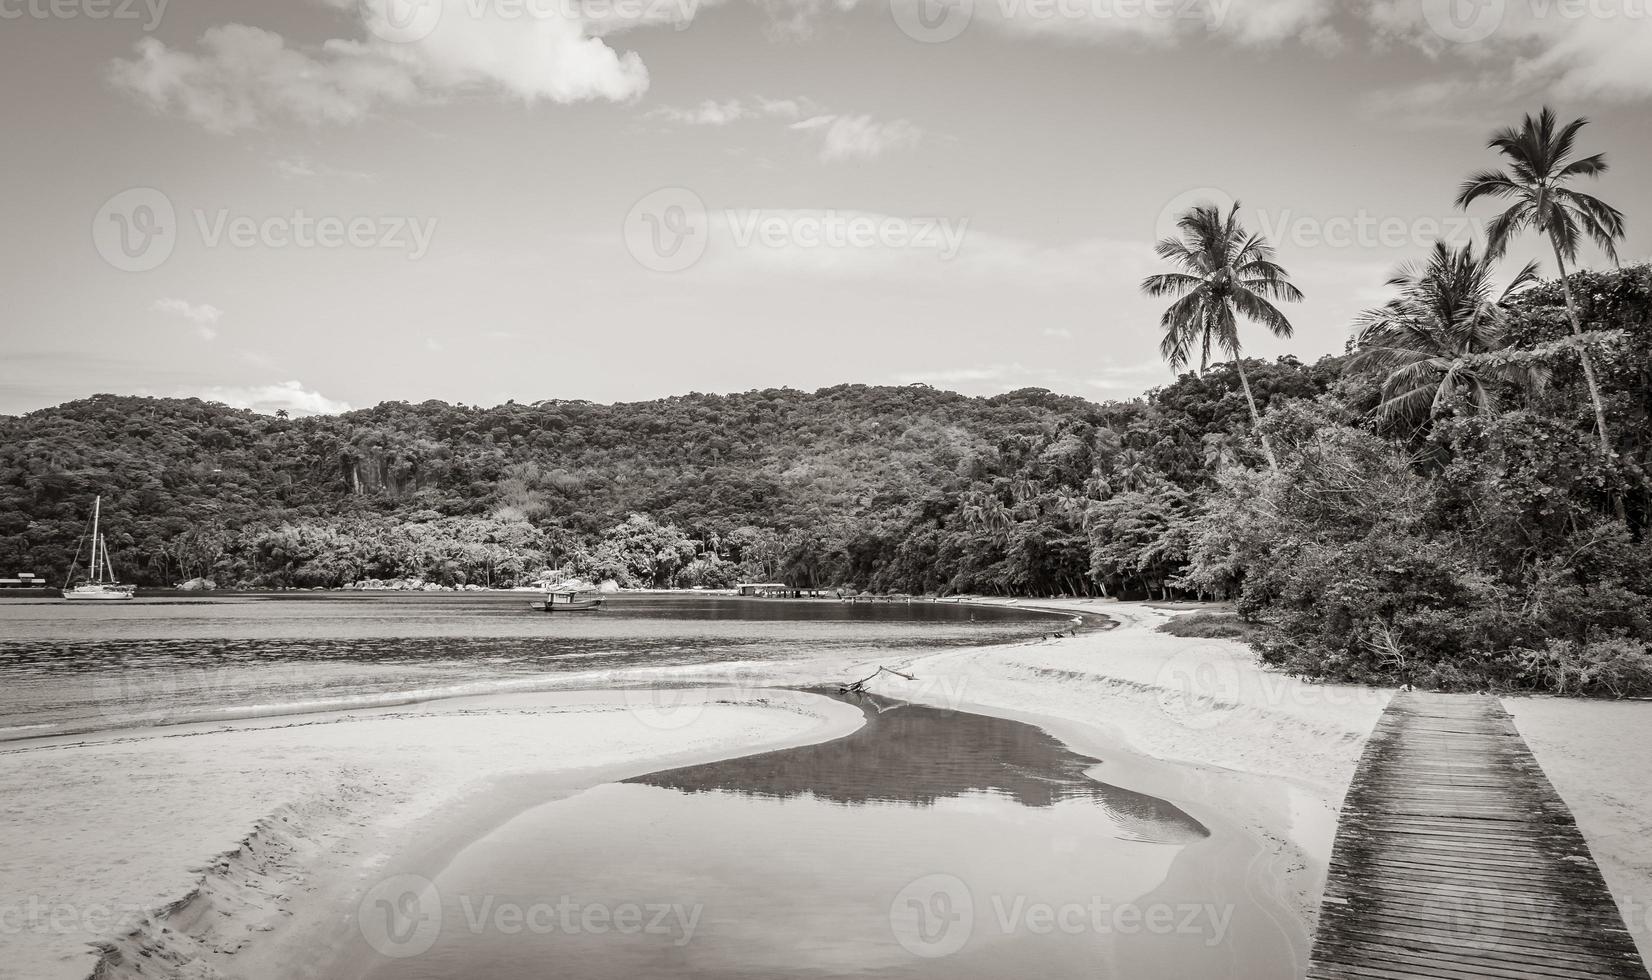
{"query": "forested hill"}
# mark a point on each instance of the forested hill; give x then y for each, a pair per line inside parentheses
(879, 487)
(1452, 502)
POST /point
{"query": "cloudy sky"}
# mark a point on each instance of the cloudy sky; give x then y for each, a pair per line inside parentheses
(314, 204)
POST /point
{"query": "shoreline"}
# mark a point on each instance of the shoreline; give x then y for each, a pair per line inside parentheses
(1193, 721)
(261, 858)
(1273, 755)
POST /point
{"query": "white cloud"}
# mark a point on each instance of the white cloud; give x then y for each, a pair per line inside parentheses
(239, 77)
(1599, 49)
(1247, 23)
(289, 396)
(204, 316)
(859, 137)
(714, 113)
(1057, 333)
(303, 168)
(864, 245)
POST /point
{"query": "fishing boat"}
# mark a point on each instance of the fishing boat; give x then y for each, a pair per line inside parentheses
(100, 584)
(573, 596)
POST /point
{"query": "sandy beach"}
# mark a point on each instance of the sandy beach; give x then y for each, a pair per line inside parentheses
(1273, 753)
(1277, 752)
(289, 820)
(1592, 752)
(261, 831)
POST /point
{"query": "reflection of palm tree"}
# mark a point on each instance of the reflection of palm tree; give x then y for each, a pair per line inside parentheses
(1440, 338)
(1540, 164)
(1225, 273)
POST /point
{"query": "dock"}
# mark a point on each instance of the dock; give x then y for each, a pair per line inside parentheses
(1455, 859)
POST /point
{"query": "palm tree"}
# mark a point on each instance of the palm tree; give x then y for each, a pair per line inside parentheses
(1224, 272)
(1540, 165)
(1441, 337)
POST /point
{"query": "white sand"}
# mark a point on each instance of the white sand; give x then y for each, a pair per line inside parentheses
(99, 832)
(304, 811)
(1276, 753)
(1595, 754)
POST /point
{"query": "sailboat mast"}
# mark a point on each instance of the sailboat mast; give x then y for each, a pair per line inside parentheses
(97, 512)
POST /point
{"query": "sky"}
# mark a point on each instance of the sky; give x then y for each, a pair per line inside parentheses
(317, 205)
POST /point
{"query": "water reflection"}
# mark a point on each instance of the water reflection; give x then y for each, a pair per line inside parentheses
(68, 667)
(920, 755)
(930, 844)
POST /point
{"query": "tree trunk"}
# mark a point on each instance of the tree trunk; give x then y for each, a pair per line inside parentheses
(1255, 416)
(1594, 385)
(1583, 354)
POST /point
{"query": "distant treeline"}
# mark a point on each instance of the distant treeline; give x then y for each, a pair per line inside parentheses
(1471, 535)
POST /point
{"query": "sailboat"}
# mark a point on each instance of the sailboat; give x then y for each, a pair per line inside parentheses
(101, 582)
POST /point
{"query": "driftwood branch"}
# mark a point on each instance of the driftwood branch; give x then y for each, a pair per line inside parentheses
(859, 687)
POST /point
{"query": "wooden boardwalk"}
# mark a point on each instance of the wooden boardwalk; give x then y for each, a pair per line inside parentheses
(1456, 859)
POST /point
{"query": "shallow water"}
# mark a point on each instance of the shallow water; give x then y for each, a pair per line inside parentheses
(72, 668)
(931, 843)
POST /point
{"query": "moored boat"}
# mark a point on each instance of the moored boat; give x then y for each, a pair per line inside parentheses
(100, 584)
(572, 596)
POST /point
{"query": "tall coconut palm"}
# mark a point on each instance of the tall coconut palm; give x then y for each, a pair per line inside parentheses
(1224, 273)
(1540, 164)
(1439, 339)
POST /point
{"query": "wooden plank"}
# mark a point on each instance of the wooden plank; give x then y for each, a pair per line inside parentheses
(1455, 859)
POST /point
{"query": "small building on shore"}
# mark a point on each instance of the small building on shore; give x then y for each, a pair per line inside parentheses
(776, 590)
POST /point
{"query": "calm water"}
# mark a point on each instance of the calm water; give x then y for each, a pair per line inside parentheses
(931, 843)
(79, 667)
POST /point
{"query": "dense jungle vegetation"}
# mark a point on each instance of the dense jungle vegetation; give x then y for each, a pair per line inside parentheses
(1460, 500)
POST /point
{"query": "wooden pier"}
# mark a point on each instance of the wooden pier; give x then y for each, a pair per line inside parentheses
(1456, 860)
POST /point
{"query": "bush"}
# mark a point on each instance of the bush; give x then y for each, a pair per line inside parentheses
(1210, 626)
(1614, 668)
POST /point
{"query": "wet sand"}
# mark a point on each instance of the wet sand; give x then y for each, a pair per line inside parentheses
(307, 813)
